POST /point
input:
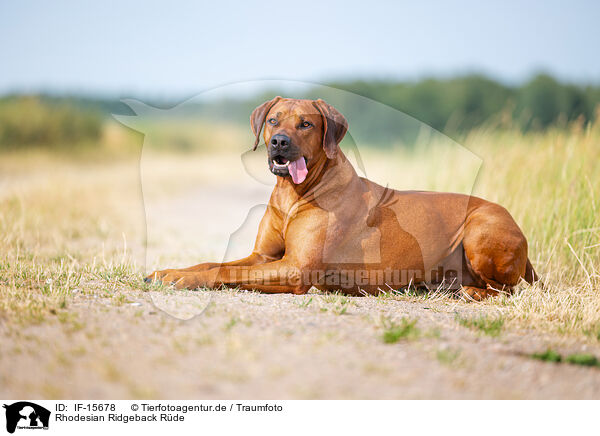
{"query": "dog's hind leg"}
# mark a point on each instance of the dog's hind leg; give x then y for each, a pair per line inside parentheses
(495, 251)
(478, 294)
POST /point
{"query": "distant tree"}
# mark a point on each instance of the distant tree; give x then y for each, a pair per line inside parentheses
(544, 101)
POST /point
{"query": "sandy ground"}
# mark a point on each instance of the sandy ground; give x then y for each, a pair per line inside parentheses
(231, 344)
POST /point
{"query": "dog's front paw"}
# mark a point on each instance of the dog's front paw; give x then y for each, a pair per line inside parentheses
(157, 276)
(178, 279)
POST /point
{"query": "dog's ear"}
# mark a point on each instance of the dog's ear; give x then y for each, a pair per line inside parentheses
(335, 127)
(257, 119)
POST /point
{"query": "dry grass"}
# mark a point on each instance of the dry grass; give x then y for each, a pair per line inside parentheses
(71, 226)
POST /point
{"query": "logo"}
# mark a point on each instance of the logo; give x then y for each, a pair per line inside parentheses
(26, 415)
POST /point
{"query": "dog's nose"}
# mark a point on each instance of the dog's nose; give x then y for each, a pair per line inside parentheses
(280, 141)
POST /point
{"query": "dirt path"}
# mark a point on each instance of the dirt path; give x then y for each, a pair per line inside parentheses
(248, 345)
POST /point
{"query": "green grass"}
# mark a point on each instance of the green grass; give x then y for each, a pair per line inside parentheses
(336, 302)
(231, 323)
(448, 357)
(340, 308)
(491, 326)
(582, 359)
(548, 356)
(405, 329)
(304, 303)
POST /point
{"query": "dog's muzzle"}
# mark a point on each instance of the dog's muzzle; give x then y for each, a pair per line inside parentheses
(286, 159)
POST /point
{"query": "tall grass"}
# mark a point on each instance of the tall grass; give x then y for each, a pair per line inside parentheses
(550, 183)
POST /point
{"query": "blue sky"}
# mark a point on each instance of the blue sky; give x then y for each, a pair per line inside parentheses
(180, 48)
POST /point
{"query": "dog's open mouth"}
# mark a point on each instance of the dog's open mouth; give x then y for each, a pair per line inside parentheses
(280, 166)
(280, 162)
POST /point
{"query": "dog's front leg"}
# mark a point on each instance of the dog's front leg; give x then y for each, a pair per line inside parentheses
(280, 276)
(253, 259)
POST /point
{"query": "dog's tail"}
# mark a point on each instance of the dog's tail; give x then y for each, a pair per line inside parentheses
(530, 275)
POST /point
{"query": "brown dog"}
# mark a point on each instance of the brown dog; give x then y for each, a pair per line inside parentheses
(327, 227)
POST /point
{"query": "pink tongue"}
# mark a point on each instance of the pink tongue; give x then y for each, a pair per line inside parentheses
(298, 170)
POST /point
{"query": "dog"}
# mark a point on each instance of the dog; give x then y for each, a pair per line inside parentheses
(329, 228)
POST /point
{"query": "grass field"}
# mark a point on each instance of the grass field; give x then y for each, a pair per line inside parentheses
(72, 253)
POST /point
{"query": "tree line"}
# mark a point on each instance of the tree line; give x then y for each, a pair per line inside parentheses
(462, 103)
(453, 106)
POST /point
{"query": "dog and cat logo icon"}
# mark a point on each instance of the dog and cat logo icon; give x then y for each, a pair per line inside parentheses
(26, 415)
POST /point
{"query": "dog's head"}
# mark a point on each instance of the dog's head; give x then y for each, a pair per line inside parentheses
(298, 133)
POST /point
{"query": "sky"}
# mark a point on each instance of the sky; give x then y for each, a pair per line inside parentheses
(181, 48)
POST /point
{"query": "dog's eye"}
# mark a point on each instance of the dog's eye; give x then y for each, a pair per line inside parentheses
(272, 121)
(305, 125)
